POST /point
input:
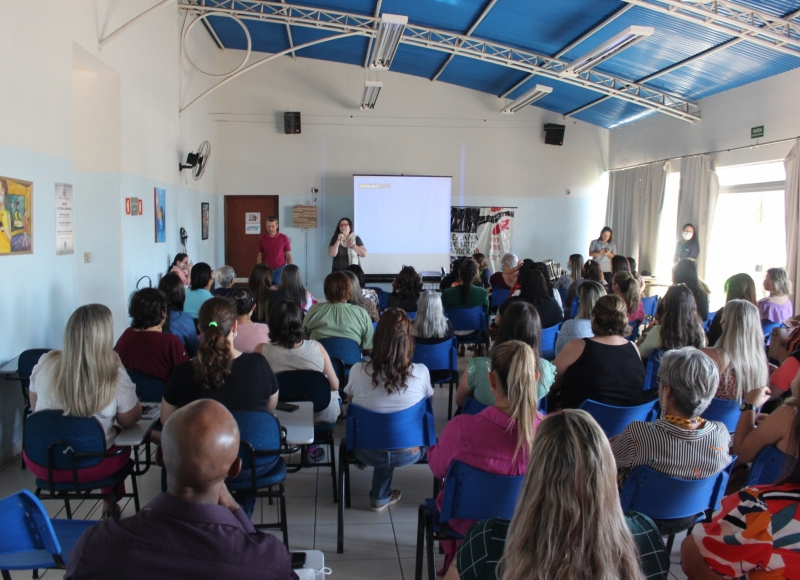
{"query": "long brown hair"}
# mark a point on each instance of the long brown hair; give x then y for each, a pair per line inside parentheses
(392, 351)
(212, 365)
(629, 287)
(680, 324)
(259, 282)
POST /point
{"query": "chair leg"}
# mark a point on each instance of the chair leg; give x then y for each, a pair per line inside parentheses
(340, 507)
(420, 542)
(429, 546)
(450, 403)
(670, 540)
(135, 487)
(332, 451)
(68, 508)
(284, 522)
(6, 574)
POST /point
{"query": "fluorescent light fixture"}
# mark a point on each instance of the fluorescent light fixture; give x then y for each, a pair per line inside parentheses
(385, 46)
(532, 95)
(611, 47)
(371, 91)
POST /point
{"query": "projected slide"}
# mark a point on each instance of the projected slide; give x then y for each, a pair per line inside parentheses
(403, 220)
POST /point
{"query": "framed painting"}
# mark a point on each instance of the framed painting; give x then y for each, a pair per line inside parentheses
(160, 199)
(204, 220)
(16, 216)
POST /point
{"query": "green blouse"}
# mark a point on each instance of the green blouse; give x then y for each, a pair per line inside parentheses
(478, 379)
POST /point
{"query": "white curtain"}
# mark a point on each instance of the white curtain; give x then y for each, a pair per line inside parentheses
(635, 199)
(697, 201)
(792, 196)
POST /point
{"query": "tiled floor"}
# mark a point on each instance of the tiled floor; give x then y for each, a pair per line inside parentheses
(377, 546)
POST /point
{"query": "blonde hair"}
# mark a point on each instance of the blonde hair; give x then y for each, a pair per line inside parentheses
(780, 281)
(569, 503)
(87, 367)
(588, 293)
(515, 366)
(741, 346)
(629, 287)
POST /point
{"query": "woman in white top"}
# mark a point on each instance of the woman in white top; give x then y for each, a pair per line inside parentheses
(86, 379)
(389, 383)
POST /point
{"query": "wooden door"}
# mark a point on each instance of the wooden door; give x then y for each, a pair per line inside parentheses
(241, 241)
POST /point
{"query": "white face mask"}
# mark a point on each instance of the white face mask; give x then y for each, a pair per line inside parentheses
(687, 235)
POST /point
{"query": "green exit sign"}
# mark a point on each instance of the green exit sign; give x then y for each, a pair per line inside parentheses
(757, 132)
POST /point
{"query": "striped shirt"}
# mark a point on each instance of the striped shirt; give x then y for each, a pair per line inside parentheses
(672, 450)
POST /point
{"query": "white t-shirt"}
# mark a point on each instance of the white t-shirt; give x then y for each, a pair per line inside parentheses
(43, 380)
(377, 399)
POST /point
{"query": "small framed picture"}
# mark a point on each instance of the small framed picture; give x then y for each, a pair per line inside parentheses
(204, 220)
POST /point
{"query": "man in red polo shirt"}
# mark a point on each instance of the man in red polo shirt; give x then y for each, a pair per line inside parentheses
(274, 250)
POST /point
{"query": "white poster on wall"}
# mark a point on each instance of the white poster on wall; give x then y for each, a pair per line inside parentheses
(252, 222)
(487, 230)
(65, 241)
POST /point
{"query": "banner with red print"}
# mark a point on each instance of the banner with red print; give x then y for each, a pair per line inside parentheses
(487, 230)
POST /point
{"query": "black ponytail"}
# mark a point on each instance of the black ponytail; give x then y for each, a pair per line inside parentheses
(212, 365)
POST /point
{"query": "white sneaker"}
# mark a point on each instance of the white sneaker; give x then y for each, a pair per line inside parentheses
(396, 495)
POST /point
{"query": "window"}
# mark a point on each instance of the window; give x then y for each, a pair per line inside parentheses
(667, 228)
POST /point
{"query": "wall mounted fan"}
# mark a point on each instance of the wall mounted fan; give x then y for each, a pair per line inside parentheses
(197, 161)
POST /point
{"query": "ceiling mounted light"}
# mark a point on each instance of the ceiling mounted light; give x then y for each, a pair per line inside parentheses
(611, 47)
(532, 95)
(385, 46)
(371, 91)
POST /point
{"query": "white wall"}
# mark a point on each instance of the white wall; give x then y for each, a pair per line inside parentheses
(417, 128)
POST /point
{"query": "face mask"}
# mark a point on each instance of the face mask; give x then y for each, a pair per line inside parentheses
(687, 235)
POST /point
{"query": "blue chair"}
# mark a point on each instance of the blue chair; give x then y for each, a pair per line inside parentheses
(375, 326)
(412, 427)
(548, 341)
(473, 319)
(344, 353)
(72, 443)
(768, 466)
(472, 407)
(614, 419)
(725, 411)
(562, 292)
(708, 321)
(311, 386)
(766, 328)
(411, 315)
(383, 297)
(635, 329)
(650, 305)
(469, 494)
(651, 372)
(499, 295)
(260, 445)
(27, 360)
(440, 357)
(30, 540)
(148, 388)
(662, 497)
(576, 305)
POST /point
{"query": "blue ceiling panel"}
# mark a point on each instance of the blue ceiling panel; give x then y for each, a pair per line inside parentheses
(452, 15)
(564, 98)
(266, 37)
(418, 61)
(774, 7)
(481, 76)
(613, 112)
(350, 50)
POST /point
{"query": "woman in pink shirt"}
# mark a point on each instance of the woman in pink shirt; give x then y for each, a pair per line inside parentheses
(249, 334)
(498, 439)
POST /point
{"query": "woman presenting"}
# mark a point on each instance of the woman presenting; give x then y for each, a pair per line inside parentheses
(688, 246)
(346, 247)
(602, 250)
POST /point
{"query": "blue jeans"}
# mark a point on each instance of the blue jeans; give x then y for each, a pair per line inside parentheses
(384, 463)
(276, 275)
(249, 503)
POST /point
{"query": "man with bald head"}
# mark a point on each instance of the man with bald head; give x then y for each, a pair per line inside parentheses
(195, 529)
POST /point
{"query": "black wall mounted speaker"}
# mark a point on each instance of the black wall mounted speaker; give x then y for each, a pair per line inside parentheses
(554, 134)
(291, 123)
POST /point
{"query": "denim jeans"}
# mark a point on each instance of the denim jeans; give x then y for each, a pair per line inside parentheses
(383, 464)
(276, 275)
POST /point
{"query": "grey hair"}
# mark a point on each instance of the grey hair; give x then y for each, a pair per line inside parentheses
(225, 276)
(693, 377)
(430, 321)
(780, 281)
(356, 295)
(509, 260)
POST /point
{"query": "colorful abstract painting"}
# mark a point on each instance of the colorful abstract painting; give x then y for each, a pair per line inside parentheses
(160, 197)
(16, 216)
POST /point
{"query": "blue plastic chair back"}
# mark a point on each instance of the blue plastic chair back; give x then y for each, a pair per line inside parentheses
(27, 537)
(614, 419)
(708, 321)
(411, 315)
(149, 389)
(635, 329)
(576, 305)
(438, 357)
(375, 326)
(412, 427)
(472, 407)
(767, 326)
(27, 360)
(725, 411)
(345, 349)
(548, 341)
(562, 292)
(651, 372)
(662, 497)
(768, 466)
(499, 295)
(467, 318)
(650, 305)
(305, 386)
(262, 431)
(64, 433)
(472, 494)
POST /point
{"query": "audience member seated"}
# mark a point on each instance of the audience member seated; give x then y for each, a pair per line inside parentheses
(291, 351)
(466, 294)
(225, 278)
(362, 283)
(195, 529)
(178, 322)
(533, 290)
(776, 307)
(260, 285)
(591, 271)
(568, 522)
(86, 379)
(543, 269)
(635, 274)
(508, 261)
(181, 266)
(144, 347)
(680, 443)
(522, 324)
(571, 280)
(358, 299)
(406, 289)
(248, 334)
(755, 431)
(431, 326)
(389, 382)
(199, 290)
(511, 275)
(498, 439)
(685, 272)
(452, 277)
(605, 368)
(781, 380)
(484, 271)
(737, 287)
(589, 292)
(755, 534)
(680, 326)
(739, 352)
(620, 264)
(293, 289)
(625, 286)
(337, 318)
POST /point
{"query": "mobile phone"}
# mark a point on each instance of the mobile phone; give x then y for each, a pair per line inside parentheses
(298, 560)
(288, 407)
